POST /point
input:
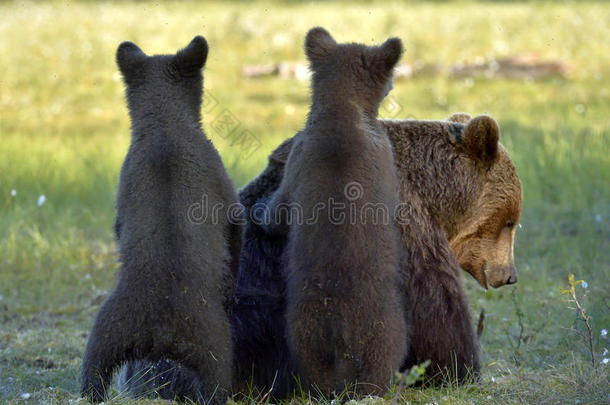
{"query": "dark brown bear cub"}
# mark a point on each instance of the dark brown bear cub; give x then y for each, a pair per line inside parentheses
(345, 316)
(177, 263)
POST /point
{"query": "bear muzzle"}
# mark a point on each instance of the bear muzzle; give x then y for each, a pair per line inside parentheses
(500, 275)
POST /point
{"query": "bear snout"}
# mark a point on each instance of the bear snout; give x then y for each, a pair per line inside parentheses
(500, 275)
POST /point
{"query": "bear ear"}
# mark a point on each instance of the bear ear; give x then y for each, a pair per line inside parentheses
(129, 58)
(460, 117)
(190, 60)
(318, 45)
(481, 137)
(389, 53)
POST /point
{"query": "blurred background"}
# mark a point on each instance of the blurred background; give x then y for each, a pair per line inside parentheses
(541, 69)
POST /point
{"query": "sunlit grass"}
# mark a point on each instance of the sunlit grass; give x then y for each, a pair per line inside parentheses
(64, 131)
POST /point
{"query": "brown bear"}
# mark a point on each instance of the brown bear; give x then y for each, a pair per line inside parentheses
(461, 198)
(260, 294)
(260, 349)
(467, 200)
(177, 268)
(344, 308)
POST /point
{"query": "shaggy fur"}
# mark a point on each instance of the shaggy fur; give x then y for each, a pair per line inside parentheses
(464, 198)
(464, 213)
(452, 194)
(177, 271)
(261, 359)
(344, 313)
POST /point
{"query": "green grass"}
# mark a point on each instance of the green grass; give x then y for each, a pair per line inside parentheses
(64, 131)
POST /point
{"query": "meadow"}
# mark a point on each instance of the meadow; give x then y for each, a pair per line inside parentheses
(64, 131)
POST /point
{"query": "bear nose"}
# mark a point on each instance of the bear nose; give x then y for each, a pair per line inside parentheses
(512, 279)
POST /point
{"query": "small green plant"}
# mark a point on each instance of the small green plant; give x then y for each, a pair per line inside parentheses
(516, 346)
(581, 314)
(409, 378)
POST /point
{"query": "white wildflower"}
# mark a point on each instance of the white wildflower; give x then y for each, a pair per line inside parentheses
(605, 361)
(604, 333)
(26, 395)
(585, 285)
(493, 379)
(605, 352)
(13, 193)
(41, 199)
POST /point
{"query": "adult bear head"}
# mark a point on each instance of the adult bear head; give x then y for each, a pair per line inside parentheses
(467, 182)
(483, 243)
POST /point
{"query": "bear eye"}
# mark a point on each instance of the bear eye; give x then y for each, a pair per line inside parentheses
(510, 224)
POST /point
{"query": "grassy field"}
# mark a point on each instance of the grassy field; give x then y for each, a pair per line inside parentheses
(64, 131)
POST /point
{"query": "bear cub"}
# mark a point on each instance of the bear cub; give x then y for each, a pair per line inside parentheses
(177, 269)
(345, 315)
(261, 359)
(260, 351)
